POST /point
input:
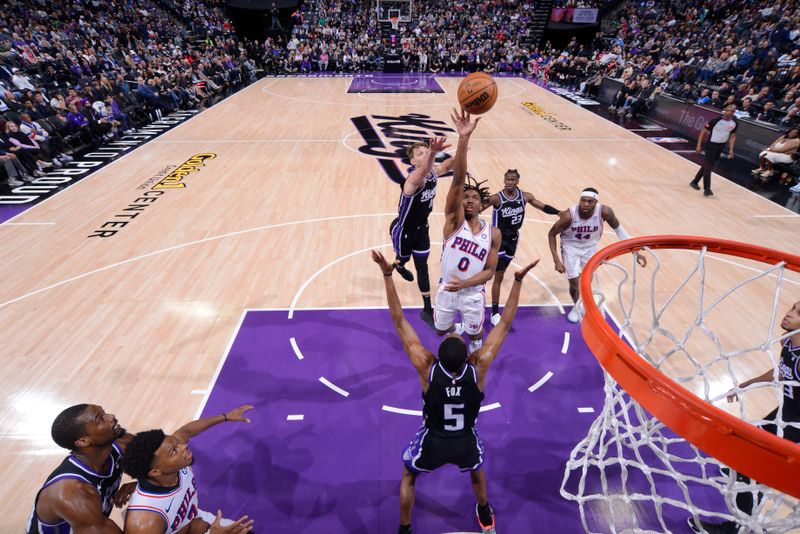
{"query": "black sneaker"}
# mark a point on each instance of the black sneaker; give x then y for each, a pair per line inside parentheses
(694, 185)
(486, 529)
(708, 193)
(427, 318)
(700, 526)
(405, 273)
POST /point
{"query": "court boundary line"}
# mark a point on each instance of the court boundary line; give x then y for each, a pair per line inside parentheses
(99, 171)
(213, 382)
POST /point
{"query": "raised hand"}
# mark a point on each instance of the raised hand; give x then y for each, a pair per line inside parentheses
(236, 414)
(378, 258)
(239, 527)
(519, 275)
(461, 120)
(438, 144)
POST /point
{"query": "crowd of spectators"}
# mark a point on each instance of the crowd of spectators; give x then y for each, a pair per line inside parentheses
(85, 71)
(75, 74)
(712, 53)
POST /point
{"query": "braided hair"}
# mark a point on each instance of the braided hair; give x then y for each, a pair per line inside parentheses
(471, 183)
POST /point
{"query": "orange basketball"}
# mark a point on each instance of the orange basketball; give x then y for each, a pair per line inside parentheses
(477, 93)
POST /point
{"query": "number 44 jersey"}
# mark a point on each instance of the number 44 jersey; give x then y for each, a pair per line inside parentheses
(583, 233)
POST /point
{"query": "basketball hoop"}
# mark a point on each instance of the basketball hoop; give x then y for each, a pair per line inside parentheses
(651, 424)
(395, 21)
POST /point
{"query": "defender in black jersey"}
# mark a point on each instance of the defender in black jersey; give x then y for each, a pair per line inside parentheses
(786, 420)
(509, 213)
(409, 230)
(452, 390)
(81, 492)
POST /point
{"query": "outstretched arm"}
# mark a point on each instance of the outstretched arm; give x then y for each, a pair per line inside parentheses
(193, 428)
(494, 201)
(421, 358)
(456, 284)
(563, 222)
(613, 222)
(539, 205)
(483, 357)
(417, 178)
(454, 207)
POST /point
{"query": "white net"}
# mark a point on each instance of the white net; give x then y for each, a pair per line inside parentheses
(632, 473)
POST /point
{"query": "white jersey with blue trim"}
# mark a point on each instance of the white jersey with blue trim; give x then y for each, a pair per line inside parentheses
(583, 233)
(176, 505)
(464, 254)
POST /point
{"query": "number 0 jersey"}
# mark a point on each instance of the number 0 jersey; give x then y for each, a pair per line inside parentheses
(583, 233)
(452, 403)
(464, 254)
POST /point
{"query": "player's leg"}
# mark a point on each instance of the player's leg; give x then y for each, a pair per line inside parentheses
(571, 257)
(469, 451)
(444, 311)
(407, 494)
(502, 264)
(472, 307)
(421, 247)
(401, 243)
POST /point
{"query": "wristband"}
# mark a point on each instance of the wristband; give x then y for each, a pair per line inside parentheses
(518, 279)
(550, 210)
(225, 417)
(388, 274)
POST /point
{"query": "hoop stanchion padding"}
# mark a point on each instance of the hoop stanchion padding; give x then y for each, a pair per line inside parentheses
(767, 458)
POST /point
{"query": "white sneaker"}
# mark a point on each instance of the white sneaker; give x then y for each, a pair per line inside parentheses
(459, 328)
(495, 319)
(13, 182)
(572, 316)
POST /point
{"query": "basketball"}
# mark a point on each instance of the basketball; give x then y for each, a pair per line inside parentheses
(477, 93)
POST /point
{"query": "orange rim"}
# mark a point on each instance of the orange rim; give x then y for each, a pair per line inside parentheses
(758, 454)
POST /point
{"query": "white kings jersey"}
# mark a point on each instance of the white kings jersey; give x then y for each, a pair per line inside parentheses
(464, 253)
(177, 506)
(583, 233)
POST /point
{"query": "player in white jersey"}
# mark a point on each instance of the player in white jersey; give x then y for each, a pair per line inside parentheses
(580, 228)
(469, 253)
(165, 500)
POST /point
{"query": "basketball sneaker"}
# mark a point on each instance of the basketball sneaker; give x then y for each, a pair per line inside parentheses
(700, 526)
(488, 527)
(495, 319)
(405, 273)
(572, 316)
(427, 318)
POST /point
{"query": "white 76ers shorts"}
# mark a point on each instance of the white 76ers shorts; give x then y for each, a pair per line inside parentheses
(575, 259)
(469, 302)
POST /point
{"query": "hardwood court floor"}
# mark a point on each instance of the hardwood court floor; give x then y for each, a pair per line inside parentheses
(137, 321)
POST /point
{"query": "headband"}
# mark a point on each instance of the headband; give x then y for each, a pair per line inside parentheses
(590, 194)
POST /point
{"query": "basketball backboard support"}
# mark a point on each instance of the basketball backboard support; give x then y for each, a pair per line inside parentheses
(401, 9)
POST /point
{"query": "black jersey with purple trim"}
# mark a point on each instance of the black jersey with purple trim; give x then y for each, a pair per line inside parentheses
(790, 372)
(452, 403)
(413, 210)
(71, 468)
(509, 215)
